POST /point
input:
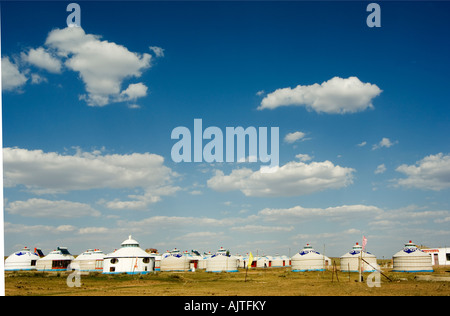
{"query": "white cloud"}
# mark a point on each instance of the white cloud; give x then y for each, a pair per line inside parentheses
(12, 78)
(303, 157)
(430, 173)
(362, 144)
(50, 209)
(384, 142)
(380, 169)
(42, 59)
(299, 212)
(293, 137)
(158, 51)
(51, 172)
(292, 179)
(262, 229)
(134, 91)
(102, 65)
(335, 96)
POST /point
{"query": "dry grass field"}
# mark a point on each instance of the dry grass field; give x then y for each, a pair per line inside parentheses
(260, 282)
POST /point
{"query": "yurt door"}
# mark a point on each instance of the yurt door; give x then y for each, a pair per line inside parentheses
(436, 259)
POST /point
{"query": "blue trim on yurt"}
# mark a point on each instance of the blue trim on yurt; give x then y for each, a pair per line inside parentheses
(414, 271)
(224, 271)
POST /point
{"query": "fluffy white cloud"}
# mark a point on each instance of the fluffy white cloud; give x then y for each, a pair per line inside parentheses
(384, 142)
(134, 91)
(303, 157)
(337, 95)
(12, 78)
(380, 169)
(50, 209)
(292, 179)
(299, 212)
(158, 51)
(430, 173)
(42, 59)
(102, 65)
(293, 137)
(52, 172)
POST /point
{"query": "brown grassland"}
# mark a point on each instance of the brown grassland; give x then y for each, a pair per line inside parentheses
(258, 282)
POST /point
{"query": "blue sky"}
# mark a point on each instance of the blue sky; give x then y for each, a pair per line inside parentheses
(88, 114)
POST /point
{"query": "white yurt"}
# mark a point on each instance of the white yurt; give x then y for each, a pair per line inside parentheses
(56, 260)
(130, 259)
(263, 262)
(412, 259)
(278, 261)
(176, 261)
(309, 260)
(222, 261)
(24, 259)
(350, 261)
(89, 261)
(202, 263)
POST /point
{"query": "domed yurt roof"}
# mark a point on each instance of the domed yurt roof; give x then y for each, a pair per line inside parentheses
(355, 252)
(61, 253)
(90, 254)
(129, 249)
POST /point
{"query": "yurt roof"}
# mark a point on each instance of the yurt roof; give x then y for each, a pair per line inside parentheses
(23, 255)
(307, 251)
(91, 254)
(410, 249)
(130, 249)
(61, 253)
(356, 250)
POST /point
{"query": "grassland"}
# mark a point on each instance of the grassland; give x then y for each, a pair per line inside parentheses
(258, 282)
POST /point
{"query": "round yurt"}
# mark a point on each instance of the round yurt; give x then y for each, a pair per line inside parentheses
(56, 260)
(309, 260)
(222, 261)
(263, 262)
(176, 261)
(350, 261)
(278, 261)
(412, 259)
(89, 261)
(130, 259)
(24, 260)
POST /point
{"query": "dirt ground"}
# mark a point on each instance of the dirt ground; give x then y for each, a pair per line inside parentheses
(258, 282)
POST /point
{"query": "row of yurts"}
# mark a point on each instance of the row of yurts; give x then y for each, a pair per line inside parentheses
(132, 259)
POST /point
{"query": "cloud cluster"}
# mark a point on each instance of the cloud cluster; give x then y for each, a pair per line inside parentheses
(50, 172)
(12, 78)
(292, 179)
(430, 173)
(103, 66)
(335, 96)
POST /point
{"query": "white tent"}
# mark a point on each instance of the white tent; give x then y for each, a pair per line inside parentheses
(309, 260)
(56, 260)
(287, 261)
(202, 263)
(278, 261)
(222, 261)
(350, 261)
(130, 259)
(89, 261)
(412, 259)
(176, 261)
(22, 260)
(263, 262)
